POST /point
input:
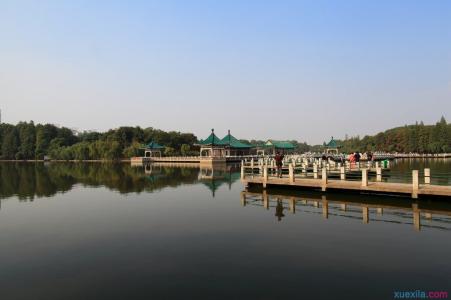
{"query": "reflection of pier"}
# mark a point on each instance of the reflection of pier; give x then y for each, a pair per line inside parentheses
(374, 210)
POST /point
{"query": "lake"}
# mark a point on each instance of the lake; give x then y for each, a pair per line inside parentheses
(112, 231)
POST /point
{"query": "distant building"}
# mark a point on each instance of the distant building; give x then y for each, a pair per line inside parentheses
(331, 147)
(234, 147)
(212, 146)
(153, 148)
(273, 146)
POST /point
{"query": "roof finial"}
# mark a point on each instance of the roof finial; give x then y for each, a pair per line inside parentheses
(331, 137)
(229, 131)
(212, 130)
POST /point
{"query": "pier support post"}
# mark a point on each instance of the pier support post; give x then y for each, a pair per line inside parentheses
(428, 216)
(315, 203)
(323, 179)
(416, 217)
(380, 211)
(364, 177)
(427, 176)
(293, 205)
(243, 199)
(342, 173)
(242, 171)
(265, 200)
(415, 184)
(378, 174)
(252, 165)
(343, 206)
(291, 173)
(265, 175)
(365, 214)
(315, 171)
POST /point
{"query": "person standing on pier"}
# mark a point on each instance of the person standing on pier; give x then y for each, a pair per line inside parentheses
(369, 156)
(279, 162)
(357, 156)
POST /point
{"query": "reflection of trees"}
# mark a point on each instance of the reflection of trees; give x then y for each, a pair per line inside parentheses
(27, 180)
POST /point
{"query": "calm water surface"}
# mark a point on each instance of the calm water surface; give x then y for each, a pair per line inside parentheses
(102, 231)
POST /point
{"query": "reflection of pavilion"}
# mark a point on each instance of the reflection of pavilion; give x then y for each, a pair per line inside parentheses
(215, 176)
(436, 215)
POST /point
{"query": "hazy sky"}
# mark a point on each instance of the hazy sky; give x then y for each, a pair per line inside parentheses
(301, 70)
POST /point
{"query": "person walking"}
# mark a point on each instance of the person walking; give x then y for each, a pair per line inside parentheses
(279, 163)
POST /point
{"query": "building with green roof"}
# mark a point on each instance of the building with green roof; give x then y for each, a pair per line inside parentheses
(331, 147)
(151, 148)
(212, 147)
(235, 147)
(273, 146)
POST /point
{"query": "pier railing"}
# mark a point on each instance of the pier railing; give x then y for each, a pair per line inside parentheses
(367, 176)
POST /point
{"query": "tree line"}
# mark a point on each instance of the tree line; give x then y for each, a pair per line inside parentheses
(417, 138)
(27, 140)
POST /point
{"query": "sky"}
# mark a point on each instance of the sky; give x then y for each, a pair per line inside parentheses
(303, 70)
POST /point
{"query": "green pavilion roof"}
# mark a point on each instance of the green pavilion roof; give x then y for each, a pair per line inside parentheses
(154, 146)
(332, 143)
(212, 139)
(233, 142)
(279, 144)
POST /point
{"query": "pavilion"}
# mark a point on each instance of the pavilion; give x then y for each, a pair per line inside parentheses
(153, 148)
(212, 147)
(273, 146)
(234, 147)
(331, 147)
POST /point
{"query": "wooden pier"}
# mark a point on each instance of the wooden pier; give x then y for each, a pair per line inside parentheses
(320, 179)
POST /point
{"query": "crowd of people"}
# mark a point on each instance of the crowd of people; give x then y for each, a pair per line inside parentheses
(353, 158)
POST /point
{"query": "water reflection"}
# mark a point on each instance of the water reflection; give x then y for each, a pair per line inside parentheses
(214, 177)
(393, 210)
(30, 180)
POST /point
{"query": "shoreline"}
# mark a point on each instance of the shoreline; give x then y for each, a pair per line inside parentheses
(72, 160)
(129, 160)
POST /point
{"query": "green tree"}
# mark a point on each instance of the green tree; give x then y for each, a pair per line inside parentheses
(44, 135)
(133, 150)
(169, 151)
(185, 149)
(10, 144)
(27, 140)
